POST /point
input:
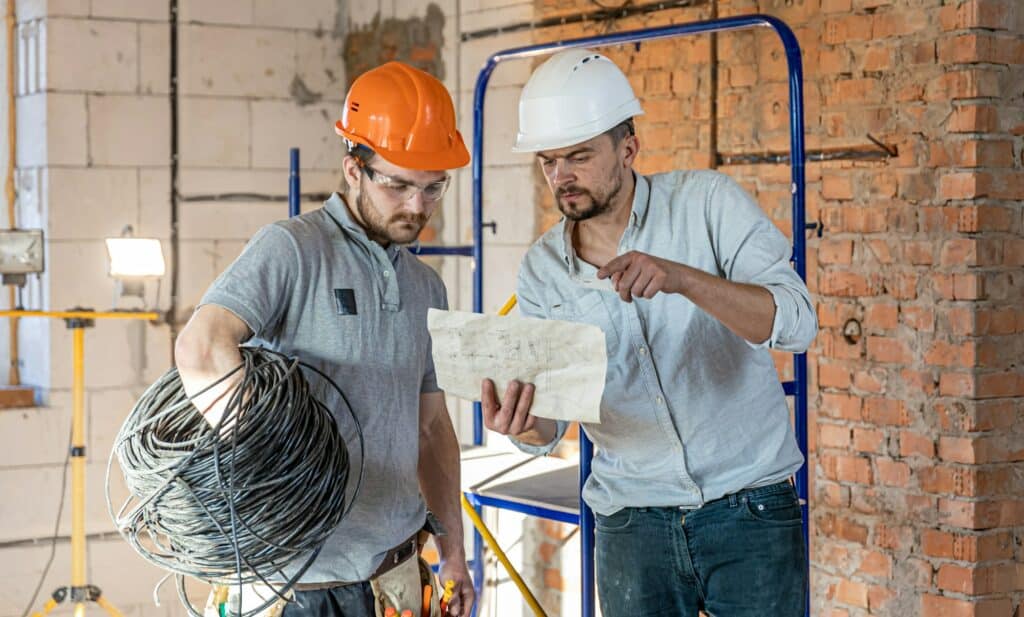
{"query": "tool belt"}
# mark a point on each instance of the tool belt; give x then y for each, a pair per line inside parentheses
(392, 559)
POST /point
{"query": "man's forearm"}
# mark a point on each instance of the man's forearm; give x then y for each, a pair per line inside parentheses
(439, 478)
(747, 310)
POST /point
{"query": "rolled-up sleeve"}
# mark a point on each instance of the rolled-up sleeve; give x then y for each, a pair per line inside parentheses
(751, 249)
(529, 306)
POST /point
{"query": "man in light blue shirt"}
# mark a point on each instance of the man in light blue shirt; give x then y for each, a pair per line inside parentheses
(694, 451)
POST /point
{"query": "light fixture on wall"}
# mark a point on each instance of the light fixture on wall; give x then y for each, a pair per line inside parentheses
(133, 262)
(21, 254)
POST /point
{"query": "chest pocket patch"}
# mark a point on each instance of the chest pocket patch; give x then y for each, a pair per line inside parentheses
(345, 301)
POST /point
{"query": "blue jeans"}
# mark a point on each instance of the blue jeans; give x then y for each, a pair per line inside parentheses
(739, 556)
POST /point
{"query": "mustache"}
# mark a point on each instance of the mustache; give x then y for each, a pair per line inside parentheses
(572, 188)
(415, 219)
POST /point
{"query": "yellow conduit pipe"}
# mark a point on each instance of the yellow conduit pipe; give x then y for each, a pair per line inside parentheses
(485, 533)
(14, 376)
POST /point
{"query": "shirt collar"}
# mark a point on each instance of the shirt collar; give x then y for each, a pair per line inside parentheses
(641, 200)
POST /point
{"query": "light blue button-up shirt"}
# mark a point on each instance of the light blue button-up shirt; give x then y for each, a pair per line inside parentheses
(690, 412)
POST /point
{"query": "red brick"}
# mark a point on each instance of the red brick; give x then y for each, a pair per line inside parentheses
(868, 91)
(962, 84)
(944, 353)
(875, 563)
(845, 283)
(892, 473)
(975, 219)
(956, 384)
(842, 406)
(877, 58)
(881, 316)
(965, 185)
(988, 153)
(833, 376)
(835, 251)
(916, 444)
(868, 440)
(919, 318)
(869, 380)
(989, 14)
(973, 119)
(885, 412)
(942, 606)
(992, 385)
(847, 28)
(852, 593)
(856, 469)
(833, 436)
(888, 349)
(837, 187)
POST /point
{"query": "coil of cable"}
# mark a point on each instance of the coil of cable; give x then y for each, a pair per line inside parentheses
(238, 502)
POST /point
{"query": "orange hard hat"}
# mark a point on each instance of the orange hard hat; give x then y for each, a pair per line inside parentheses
(406, 116)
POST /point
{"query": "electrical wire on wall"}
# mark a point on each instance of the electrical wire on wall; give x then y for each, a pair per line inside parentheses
(245, 500)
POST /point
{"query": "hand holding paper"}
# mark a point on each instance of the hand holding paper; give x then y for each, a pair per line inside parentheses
(565, 361)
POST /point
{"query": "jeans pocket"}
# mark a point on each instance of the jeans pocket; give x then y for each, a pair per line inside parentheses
(779, 508)
(619, 521)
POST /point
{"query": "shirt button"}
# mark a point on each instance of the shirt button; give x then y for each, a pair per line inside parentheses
(387, 274)
(660, 400)
(643, 351)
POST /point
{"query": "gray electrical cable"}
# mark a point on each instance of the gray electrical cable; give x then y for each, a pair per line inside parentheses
(238, 502)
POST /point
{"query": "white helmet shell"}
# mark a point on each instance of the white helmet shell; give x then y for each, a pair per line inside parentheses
(574, 96)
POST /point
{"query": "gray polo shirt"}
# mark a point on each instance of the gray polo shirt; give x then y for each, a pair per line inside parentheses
(316, 287)
(690, 411)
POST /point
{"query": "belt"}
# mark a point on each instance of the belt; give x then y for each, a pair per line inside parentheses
(392, 559)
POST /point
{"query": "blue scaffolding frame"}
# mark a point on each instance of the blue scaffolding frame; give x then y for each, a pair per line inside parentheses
(797, 388)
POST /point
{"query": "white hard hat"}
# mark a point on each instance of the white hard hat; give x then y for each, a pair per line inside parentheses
(574, 96)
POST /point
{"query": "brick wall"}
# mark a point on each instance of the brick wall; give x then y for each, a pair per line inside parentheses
(916, 470)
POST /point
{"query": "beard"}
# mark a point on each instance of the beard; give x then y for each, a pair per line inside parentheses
(400, 228)
(588, 204)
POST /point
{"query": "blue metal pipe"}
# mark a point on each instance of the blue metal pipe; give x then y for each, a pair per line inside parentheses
(464, 251)
(797, 157)
(294, 190)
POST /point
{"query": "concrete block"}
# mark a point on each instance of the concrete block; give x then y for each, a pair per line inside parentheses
(501, 266)
(20, 569)
(92, 55)
(263, 181)
(36, 9)
(29, 507)
(51, 130)
(113, 354)
(319, 15)
(222, 220)
(154, 58)
(277, 126)
(253, 62)
(321, 67)
(497, 17)
(214, 132)
(34, 436)
(474, 54)
(508, 194)
(154, 203)
(158, 351)
(500, 124)
(470, 6)
(35, 358)
(197, 261)
(129, 130)
(151, 10)
(108, 410)
(127, 578)
(91, 203)
(238, 12)
(361, 14)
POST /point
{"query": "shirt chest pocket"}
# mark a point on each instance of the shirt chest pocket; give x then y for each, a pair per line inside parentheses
(589, 307)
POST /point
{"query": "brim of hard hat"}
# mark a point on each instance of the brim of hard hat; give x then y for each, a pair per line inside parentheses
(570, 137)
(452, 158)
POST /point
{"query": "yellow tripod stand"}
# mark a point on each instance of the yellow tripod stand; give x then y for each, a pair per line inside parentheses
(79, 592)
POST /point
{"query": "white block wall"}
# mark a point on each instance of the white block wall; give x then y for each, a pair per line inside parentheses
(93, 156)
